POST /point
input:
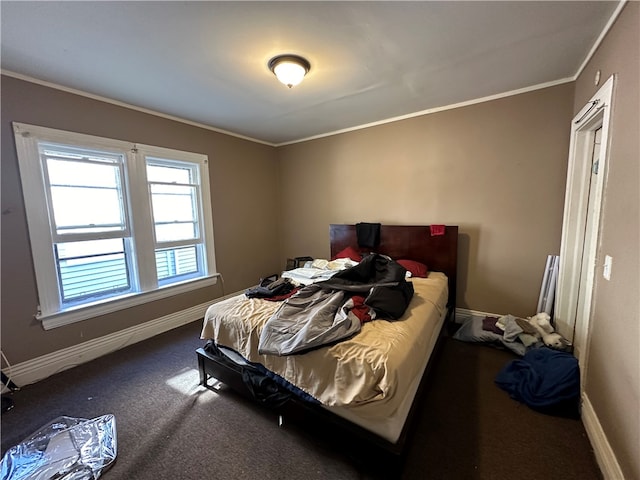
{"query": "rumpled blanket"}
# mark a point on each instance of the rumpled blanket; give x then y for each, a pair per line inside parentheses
(544, 379)
(318, 314)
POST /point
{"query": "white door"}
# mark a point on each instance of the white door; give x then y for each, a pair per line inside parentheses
(588, 263)
(580, 228)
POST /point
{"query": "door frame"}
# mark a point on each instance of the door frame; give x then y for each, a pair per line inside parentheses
(571, 319)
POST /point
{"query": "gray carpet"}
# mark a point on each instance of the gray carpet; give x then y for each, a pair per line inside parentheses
(170, 428)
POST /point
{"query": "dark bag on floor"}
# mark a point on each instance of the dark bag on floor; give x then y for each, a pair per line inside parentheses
(262, 388)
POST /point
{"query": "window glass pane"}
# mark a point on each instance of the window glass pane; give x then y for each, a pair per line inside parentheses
(87, 209)
(173, 203)
(92, 269)
(68, 172)
(175, 262)
(85, 197)
(169, 174)
(170, 232)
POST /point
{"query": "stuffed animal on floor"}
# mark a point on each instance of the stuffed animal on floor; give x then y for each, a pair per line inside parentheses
(542, 323)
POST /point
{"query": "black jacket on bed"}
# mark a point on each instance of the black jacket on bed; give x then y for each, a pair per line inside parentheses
(381, 280)
(368, 234)
(316, 316)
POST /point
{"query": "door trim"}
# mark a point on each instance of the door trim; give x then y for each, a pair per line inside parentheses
(571, 319)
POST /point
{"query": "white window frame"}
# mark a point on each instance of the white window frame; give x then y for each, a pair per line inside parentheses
(166, 157)
(144, 277)
(124, 234)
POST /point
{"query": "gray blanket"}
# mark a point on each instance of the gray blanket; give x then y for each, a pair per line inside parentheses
(312, 318)
(317, 314)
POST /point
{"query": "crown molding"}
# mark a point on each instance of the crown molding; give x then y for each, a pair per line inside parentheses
(605, 30)
(118, 103)
(429, 111)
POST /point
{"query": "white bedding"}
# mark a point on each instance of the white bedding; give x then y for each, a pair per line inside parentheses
(318, 270)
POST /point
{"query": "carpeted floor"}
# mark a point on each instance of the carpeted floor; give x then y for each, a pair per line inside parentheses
(170, 428)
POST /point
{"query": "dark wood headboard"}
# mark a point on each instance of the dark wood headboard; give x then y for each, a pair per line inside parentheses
(411, 242)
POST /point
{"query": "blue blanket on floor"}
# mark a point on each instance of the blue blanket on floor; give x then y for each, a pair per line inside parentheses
(546, 380)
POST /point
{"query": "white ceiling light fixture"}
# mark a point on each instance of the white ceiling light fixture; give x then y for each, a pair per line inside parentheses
(289, 69)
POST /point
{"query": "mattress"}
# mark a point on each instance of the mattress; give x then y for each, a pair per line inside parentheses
(370, 378)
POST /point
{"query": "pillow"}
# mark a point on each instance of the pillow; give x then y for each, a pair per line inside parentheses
(417, 269)
(349, 252)
(471, 331)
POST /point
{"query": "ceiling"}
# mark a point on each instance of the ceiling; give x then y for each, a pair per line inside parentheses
(206, 62)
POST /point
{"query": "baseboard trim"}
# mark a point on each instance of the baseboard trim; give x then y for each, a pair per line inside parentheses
(39, 368)
(605, 457)
(463, 314)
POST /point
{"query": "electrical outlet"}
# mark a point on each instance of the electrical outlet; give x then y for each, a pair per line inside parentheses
(606, 271)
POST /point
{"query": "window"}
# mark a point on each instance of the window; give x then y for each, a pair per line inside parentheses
(112, 224)
(175, 198)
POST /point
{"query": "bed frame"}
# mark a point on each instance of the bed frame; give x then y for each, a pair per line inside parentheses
(439, 253)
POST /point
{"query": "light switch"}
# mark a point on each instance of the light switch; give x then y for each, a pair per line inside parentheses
(606, 272)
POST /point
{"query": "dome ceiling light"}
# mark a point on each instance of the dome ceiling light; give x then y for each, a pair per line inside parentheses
(289, 69)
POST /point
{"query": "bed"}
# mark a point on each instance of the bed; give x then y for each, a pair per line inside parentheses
(365, 387)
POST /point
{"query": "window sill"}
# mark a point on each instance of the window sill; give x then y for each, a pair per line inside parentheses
(77, 314)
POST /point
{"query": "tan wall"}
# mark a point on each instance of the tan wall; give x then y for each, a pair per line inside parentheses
(244, 211)
(496, 169)
(613, 366)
